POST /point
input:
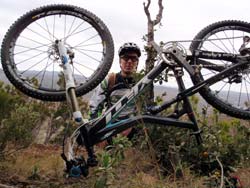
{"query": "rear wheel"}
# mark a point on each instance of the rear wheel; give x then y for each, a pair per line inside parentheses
(31, 62)
(232, 94)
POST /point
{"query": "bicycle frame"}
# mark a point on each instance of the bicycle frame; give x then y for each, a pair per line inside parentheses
(102, 128)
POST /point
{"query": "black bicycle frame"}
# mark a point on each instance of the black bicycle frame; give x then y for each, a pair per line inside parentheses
(102, 128)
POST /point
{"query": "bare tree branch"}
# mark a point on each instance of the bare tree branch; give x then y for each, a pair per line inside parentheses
(159, 15)
(152, 23)
(151, 53)
(146, 10)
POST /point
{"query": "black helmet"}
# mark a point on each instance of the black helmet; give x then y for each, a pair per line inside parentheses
(129, 47)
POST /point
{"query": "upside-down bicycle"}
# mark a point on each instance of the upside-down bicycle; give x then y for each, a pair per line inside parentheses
(56, 39)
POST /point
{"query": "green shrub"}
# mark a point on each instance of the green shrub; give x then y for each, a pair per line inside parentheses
(17, 129)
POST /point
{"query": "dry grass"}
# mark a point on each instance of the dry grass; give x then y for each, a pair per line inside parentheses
(137, 170)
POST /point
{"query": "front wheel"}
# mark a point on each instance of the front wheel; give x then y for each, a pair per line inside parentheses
(230, 95)
(30, 59)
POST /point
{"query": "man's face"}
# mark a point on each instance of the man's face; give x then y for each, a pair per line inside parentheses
(129, 62)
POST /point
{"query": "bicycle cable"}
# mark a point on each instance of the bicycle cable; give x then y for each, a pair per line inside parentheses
(199, 40)
(65, 133)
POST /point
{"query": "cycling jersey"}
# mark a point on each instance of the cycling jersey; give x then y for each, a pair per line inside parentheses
(104, 96)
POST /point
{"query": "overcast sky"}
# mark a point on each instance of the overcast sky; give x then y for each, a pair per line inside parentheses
(182, 19)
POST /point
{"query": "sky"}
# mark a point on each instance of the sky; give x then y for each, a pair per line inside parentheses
(126, 20)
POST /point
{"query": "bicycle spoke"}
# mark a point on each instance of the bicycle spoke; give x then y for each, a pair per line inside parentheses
(222, 87)
(232, 43)
(71, 26)
(53, 74)
(43, 73)
(70, 34)
(229, 89)
(223, 44)
(84, 66)
(31, 49)
(31, 40)
(77, 32)
(47, 31)
(54, 23)
(39, 34)
(51, 35)
(29, 58)
(79, 72)
(216, 45)
(96, 35)
(86, 50)
(248, 79)
(93, 44)
(65, 25)
(34, 65)
(43, 70)
(91, 57)
(240, 93)
(248, 99)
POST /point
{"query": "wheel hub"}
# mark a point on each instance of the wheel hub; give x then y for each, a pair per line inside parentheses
(53, 52)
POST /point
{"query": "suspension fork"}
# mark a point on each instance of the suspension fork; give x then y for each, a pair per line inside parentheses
(70, 83)
(178, 72)
(71, 95)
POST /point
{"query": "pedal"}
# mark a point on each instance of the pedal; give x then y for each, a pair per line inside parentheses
(77, 171)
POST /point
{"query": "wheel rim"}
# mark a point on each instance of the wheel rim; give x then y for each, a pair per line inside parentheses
(234, 90)
(36, 62)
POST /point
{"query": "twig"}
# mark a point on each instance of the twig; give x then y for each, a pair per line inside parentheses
(222, 172)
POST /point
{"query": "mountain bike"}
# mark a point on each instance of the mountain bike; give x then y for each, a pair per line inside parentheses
(61, 52)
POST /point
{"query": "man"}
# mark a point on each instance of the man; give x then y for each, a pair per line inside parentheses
(115, 85)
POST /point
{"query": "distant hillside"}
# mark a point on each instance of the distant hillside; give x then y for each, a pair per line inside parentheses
(159, 90)
(171, 92)
(48, 80)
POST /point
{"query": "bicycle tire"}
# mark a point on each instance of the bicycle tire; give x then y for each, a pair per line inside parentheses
(30, 61)
(227, 95)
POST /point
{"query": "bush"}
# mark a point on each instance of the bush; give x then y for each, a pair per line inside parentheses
(16, 131)
(223, 137)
